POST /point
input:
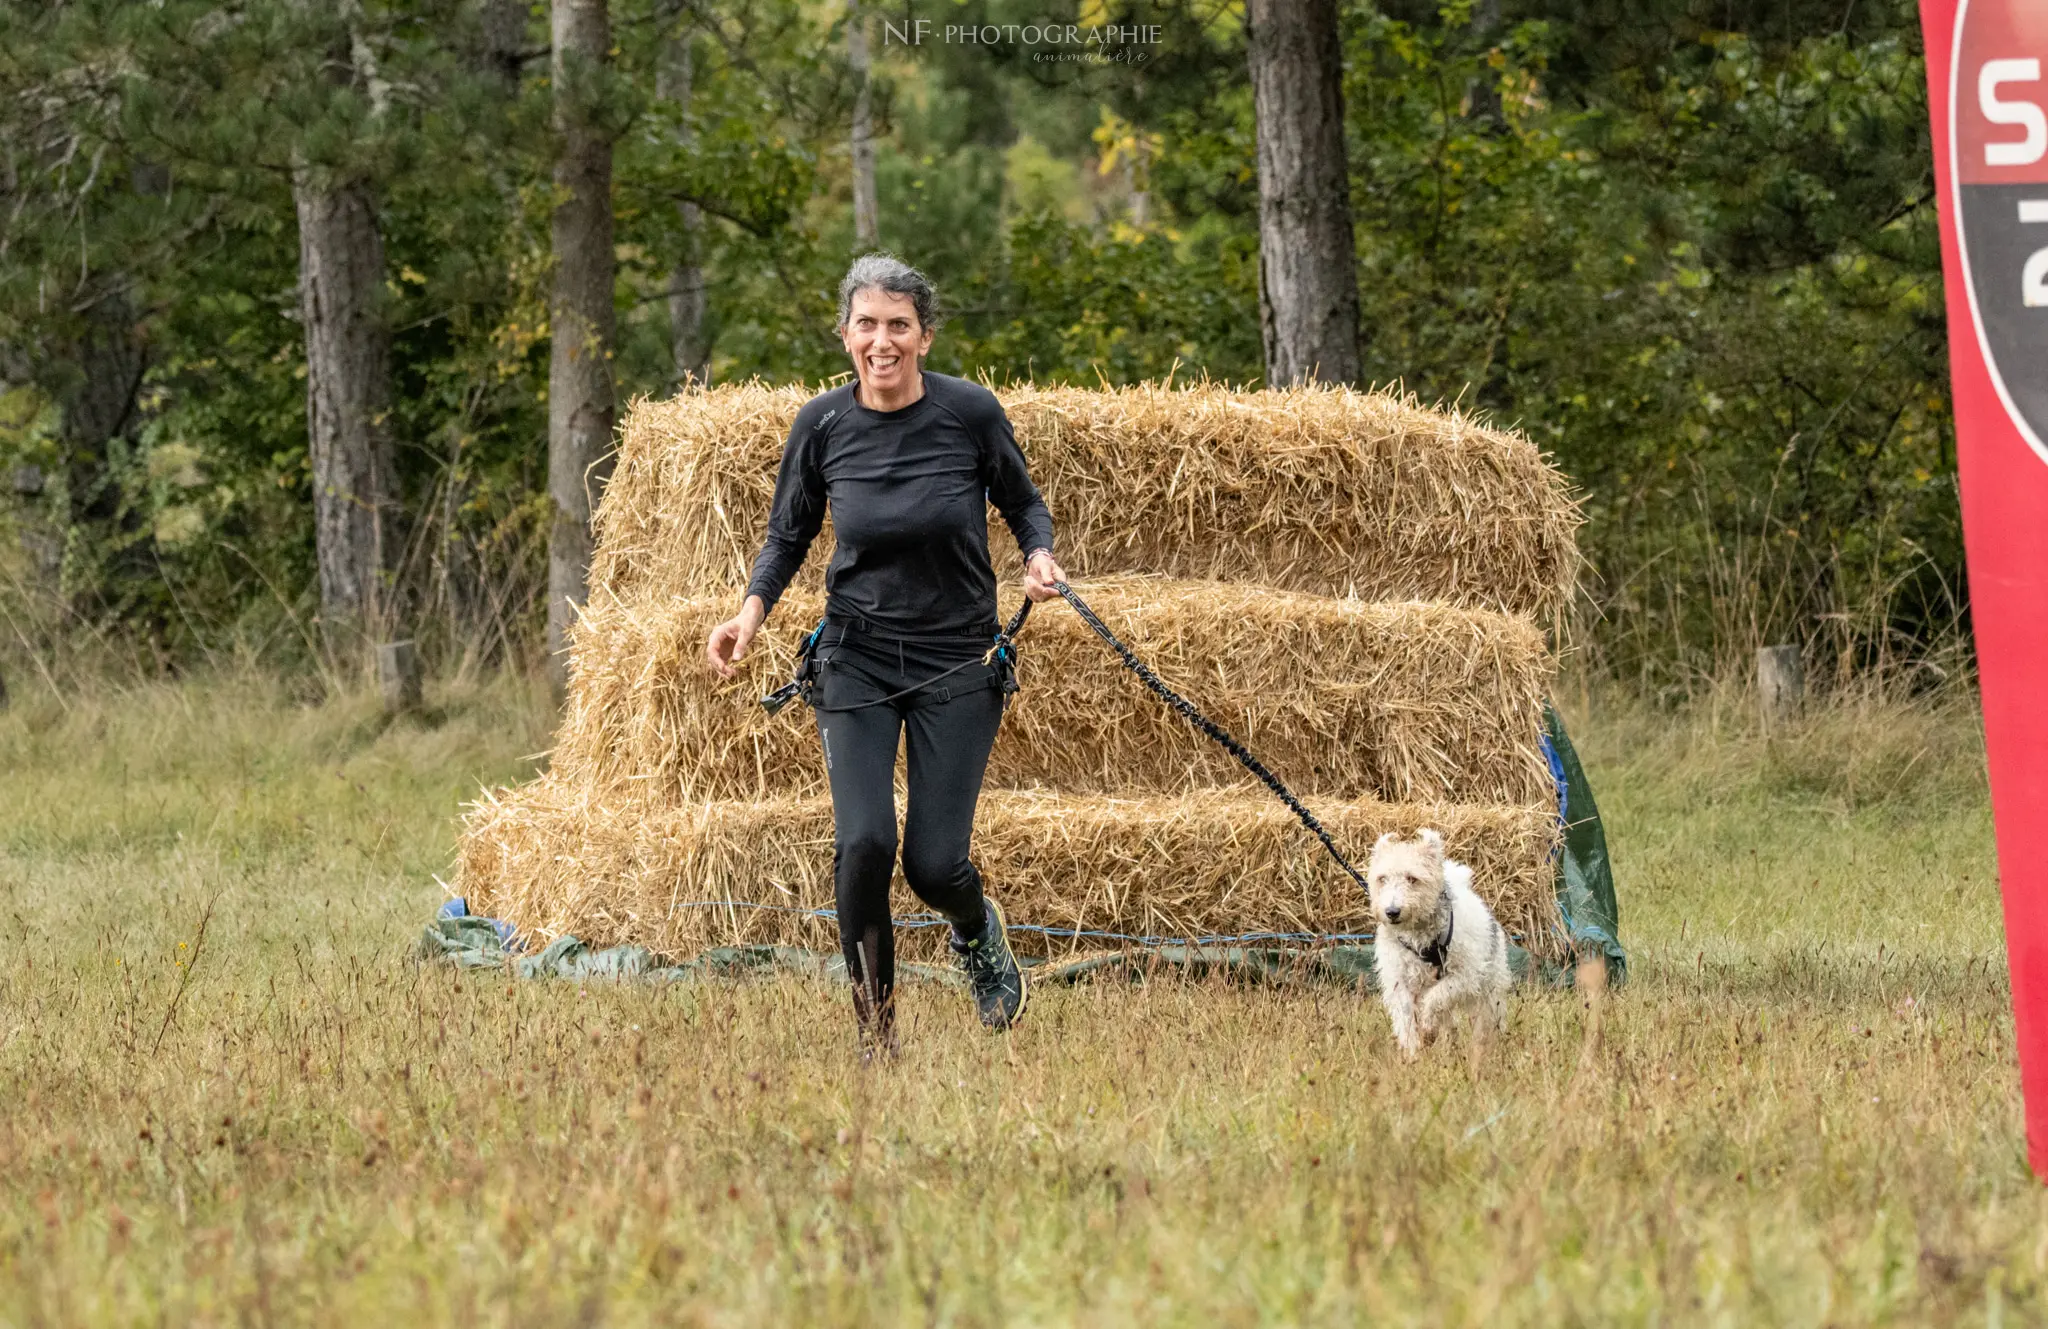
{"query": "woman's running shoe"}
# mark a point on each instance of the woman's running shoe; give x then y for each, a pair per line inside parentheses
(993, 974)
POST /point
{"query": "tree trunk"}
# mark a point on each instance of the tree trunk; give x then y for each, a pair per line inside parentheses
(99, 551)
(1308, 278)
(100, 405)
(686, 294)
(579, 367)
(501, 30)
(866, 221)
(1484, 92)
(348, 402)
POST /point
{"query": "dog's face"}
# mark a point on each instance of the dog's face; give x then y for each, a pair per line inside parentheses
(1406, 878)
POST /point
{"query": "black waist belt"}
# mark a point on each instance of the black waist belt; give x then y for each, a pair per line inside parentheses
(867, 627)
(1001, 655)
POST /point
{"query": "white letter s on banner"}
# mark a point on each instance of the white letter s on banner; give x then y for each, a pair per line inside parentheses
(2024, 113)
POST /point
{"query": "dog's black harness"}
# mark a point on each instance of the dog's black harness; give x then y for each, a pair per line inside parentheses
(1438, 952)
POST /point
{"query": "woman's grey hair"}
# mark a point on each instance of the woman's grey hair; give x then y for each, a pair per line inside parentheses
(886, 272)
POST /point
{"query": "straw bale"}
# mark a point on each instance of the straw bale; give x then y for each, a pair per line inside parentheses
(1342, 698)
(607, 866)
(1346, 581)
(1323, 490)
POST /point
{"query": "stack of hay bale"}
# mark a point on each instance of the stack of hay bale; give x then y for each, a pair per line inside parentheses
(1351, 584)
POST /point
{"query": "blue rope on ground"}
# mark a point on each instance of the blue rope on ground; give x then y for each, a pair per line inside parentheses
(934, 921)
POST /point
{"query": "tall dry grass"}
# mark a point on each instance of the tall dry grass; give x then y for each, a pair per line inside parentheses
(1678, 609)
(1802, 1109)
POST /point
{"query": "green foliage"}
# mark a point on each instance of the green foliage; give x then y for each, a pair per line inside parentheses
(1709, 284)
(1066, 304)
(1690, 248)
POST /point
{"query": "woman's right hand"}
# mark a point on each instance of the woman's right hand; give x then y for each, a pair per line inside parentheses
(730, 639)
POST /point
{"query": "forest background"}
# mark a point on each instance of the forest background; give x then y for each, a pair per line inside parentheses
(1690, 247)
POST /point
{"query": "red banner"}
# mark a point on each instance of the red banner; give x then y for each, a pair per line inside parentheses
(1987, 84)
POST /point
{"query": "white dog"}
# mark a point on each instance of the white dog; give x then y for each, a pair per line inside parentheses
(1439, 950)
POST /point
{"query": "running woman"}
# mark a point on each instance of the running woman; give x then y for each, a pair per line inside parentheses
(907, 461)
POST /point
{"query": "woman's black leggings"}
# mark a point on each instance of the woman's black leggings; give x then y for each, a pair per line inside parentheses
(948, 729)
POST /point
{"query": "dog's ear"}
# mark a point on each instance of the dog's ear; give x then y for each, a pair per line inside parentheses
(1433, 842)
(1384, 841)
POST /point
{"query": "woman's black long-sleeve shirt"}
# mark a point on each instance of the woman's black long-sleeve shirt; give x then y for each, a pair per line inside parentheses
(909, 492)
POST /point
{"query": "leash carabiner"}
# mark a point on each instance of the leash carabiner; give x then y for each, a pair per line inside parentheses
(800, 686)
(1003, 655)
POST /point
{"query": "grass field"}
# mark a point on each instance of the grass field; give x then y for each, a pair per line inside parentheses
(229, 1096)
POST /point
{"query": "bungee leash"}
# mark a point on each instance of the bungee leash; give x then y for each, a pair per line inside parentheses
(1004, 649)
(1193, 716)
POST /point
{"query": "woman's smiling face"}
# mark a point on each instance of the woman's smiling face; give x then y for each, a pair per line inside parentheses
(885, 339)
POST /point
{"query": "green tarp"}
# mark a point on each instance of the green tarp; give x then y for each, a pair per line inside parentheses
(1585, 881)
